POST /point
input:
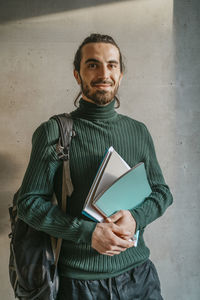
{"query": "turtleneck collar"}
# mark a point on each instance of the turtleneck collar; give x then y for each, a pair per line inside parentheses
(92, 111)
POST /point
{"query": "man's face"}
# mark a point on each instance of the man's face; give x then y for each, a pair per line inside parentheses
(100, 73)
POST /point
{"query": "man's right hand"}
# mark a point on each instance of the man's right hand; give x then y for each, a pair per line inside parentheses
(106, 239)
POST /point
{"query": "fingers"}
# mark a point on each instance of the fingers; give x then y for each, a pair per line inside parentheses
(119, 238)
(123, 243)
(115, 250)
(114, 235)
(111, 253)
(115, 217)
(107, 239)
(120, 231)
(124, 220)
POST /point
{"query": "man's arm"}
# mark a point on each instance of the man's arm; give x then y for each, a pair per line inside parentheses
(34, 201)
(155, 204)
(35, 207)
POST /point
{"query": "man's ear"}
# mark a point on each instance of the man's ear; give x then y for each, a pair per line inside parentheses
(77, 77)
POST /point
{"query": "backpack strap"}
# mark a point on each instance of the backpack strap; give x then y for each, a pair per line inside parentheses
(65, 124)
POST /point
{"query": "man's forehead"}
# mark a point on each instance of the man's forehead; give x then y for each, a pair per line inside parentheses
(105, 51)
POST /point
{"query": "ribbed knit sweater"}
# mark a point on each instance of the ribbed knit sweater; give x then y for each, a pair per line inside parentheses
(97, 128)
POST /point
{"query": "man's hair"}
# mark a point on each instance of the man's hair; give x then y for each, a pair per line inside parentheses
(96, 38)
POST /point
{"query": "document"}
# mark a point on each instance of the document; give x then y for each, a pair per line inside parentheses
(127, 192)
(110, 169)
(116, 186)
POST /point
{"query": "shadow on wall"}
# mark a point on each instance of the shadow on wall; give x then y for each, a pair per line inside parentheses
(8, 173)
(16, 10)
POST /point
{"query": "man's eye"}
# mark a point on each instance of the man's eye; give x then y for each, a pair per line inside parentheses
(92, 66)
(113, 66)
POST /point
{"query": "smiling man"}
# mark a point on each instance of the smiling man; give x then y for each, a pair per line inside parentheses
(97, 260)
(100, 73)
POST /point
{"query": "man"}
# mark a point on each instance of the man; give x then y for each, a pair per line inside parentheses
(97, 261)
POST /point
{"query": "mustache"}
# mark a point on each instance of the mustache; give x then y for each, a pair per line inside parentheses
(101, 82)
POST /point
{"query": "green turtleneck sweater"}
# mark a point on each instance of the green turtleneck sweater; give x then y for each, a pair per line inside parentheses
(97, 128)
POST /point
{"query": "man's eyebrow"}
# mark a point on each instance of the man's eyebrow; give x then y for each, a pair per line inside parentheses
(97, 61)
(92, 60)
(113, 62)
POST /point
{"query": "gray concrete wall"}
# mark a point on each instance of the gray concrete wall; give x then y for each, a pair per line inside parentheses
(160, 42)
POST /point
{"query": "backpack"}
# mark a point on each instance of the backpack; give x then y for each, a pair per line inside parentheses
(34, 254)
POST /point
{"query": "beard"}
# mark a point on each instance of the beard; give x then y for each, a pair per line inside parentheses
(100, 97)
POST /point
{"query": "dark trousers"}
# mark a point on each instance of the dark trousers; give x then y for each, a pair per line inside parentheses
(140, 283)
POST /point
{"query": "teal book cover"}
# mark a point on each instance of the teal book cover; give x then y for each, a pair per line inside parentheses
(127, 192)
(112, 167)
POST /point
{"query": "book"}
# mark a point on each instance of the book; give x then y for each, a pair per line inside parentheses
(127, 192)
(113, 188)
(110, 169)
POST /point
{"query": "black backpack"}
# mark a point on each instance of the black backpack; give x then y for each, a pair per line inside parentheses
(34, 254)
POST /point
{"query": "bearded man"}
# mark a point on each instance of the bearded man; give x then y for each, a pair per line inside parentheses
(97, 260)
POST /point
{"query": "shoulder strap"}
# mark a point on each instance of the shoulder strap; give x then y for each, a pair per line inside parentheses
(65, 123)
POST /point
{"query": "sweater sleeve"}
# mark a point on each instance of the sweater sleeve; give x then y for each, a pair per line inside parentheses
(34, 201)
(160, 198)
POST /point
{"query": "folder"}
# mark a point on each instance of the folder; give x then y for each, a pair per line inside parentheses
(116, 186)
(110, 169)
(127, 192)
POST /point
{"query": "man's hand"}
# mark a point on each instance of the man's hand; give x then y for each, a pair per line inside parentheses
(125, 221)
(106, 239)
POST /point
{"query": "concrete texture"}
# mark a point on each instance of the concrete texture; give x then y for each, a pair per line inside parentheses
(160, 43)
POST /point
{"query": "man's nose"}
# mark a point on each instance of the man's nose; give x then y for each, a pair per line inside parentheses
(103, 72)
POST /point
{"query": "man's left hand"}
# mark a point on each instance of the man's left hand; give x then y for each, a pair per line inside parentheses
(125, 220)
